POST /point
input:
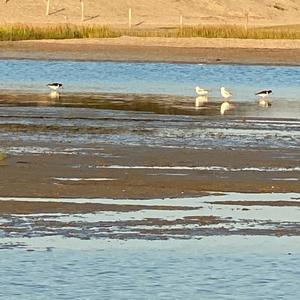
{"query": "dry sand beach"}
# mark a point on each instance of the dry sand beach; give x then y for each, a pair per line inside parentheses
(156, 13)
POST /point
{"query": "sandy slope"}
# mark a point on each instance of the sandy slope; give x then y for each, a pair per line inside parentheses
(193, 50)
(153, 13)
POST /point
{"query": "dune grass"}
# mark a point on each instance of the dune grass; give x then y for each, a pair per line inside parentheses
(226, 31)
(26, 32)
(69, 31)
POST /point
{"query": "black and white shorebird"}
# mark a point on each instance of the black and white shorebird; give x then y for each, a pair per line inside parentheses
(262, 101)
(264, 93)
(225, 93)
(55, 87)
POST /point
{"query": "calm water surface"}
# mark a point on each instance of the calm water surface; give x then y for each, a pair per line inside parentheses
(157, 78)
(53, 266)
(212, 268)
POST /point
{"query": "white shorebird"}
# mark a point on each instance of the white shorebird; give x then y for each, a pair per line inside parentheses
(54, 87)
(200, 91)
(225, 93)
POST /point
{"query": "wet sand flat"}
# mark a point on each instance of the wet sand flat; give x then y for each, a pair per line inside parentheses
(184, 50)
(26, 207)
(146, 220)
(146, 172)
(125, 146)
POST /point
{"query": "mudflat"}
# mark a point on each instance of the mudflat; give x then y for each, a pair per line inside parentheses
(139, 172)
(126, 146)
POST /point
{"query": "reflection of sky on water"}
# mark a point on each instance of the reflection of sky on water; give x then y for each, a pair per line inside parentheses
(260, 245)
(211, 268)
(155, 129)
(156, 78)
(203, 208)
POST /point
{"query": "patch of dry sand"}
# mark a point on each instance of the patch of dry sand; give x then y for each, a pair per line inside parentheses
(152, 13)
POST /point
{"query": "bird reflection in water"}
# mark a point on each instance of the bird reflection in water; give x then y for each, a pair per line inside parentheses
(200, 101)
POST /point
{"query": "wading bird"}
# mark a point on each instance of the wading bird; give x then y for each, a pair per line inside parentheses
(54, 87)
(263, 94)
(262, 101)
(225, 93)
(200, 91)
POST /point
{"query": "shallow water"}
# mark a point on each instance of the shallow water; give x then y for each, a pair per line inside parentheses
(207, 267)
(85, 125)
(149, 104)
(213, 268)
(155, 78)
(161, 223)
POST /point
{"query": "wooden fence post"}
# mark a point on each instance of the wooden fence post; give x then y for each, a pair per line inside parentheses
(129, 18)
(47, 7)
(82, 10)
(247, 21)
(181, 22)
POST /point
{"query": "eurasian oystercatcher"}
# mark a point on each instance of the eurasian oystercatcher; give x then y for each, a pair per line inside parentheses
(264, 93)
(55, 86)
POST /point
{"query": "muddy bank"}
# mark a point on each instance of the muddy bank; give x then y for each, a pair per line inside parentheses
(26, 207)
(188, 227)
(259, 203)
(120, 171)
(142, 146)
(189, 50)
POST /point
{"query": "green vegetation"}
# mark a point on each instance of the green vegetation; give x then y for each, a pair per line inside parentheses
(68, 31)
(2, 156)
(226, 31)
(26, 32)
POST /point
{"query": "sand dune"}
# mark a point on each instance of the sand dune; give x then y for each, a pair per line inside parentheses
(154, 13)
